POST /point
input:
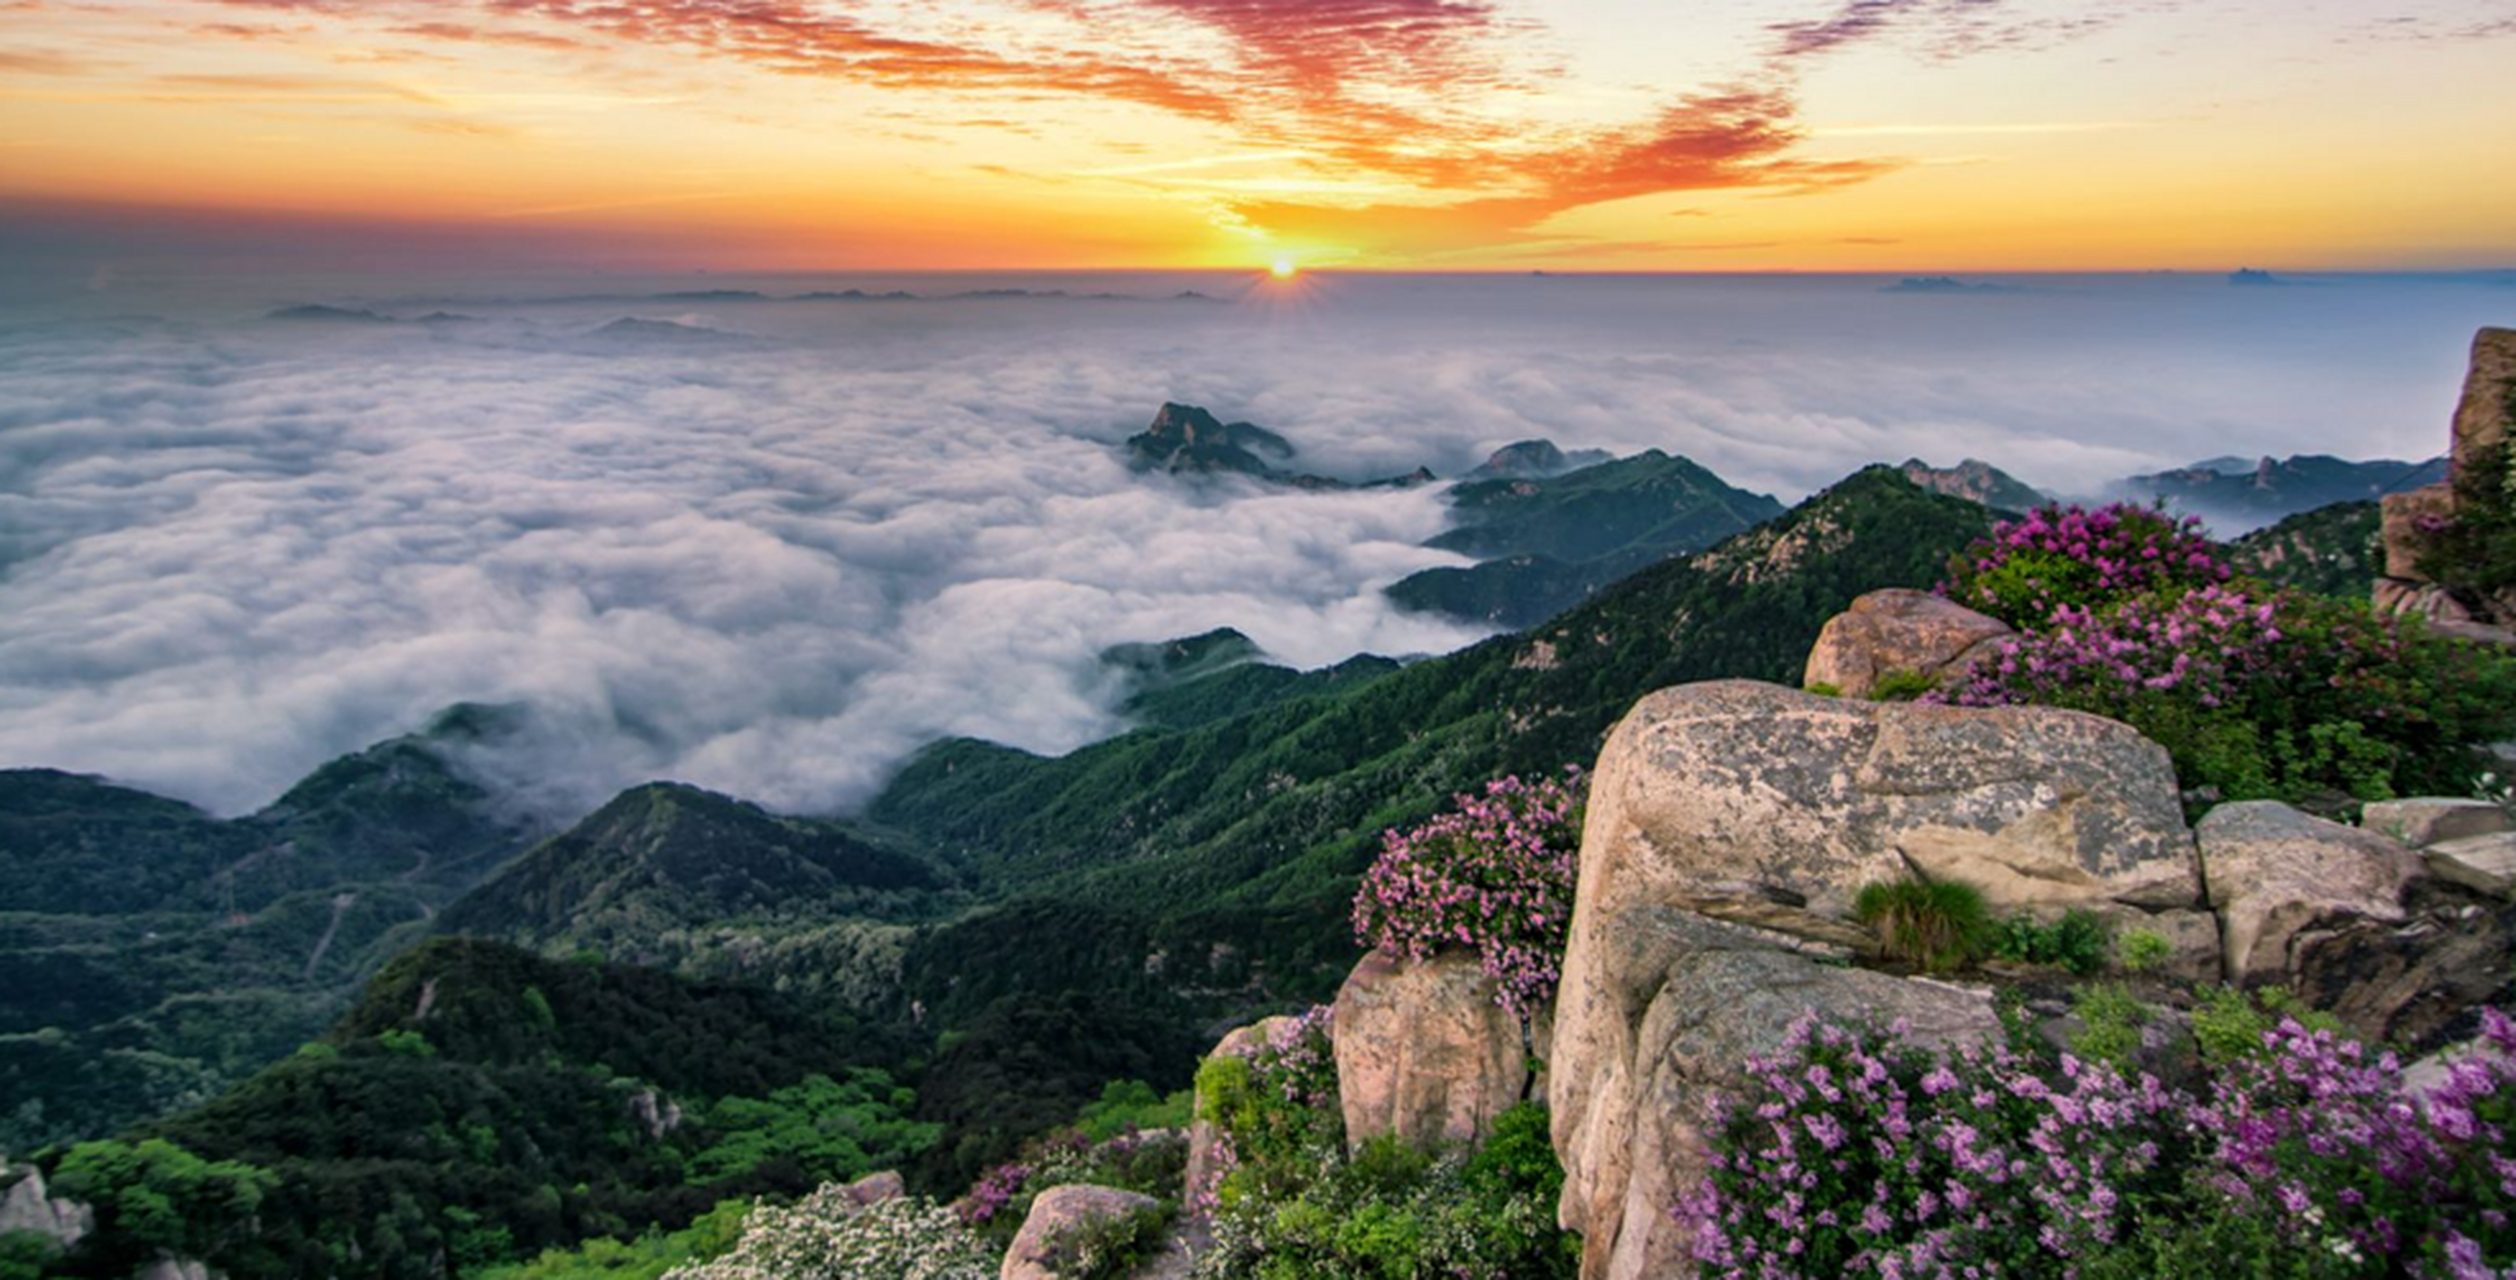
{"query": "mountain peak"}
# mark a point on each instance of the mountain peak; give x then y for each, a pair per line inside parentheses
(1534, 460)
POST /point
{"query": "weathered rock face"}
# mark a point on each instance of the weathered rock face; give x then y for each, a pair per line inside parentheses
(1659, 1012)
(874, 1188)
(2274, 872)
(1242, 1042)
(27, 1206)
(1424, 1052)
(2480, 427)
(2425, 821)
(1059, 1210)
(2416, 981)
(1747, 791)
(1914, 632)
(2481, 416)
(2483, 864)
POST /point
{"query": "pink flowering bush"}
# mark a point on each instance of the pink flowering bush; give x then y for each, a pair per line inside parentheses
(1274, 1110)
(2070, 557)
(2257, 693)
(1493, 875)
(1851, 1153)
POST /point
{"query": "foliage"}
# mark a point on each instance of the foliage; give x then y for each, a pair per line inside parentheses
(2080, 941)
(1851, 1153)
(154, 1198)
(2109, 1024)
(152, 955)
(1274, 1111)
(1111, 1248)
(1127, 1106)
(2142, 950)
(26, 1255)
(1148, 1163)
(1937, 925)
(843, 1127)
(640, 1102)
(1494, 874)
(1392, 1213)
(1901, 686)
(2230, 1023)
(2334, 550)
(1026, 1067)
(2256, 692)
(825, 1236)
(2058, 557)
(646, 1258)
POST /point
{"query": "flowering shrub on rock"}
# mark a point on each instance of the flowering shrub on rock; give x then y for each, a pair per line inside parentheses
(825, 1236)
(2257, 693)
(2071, 557)
(1274, 1112)
(1852, 1154)
(1495, 875)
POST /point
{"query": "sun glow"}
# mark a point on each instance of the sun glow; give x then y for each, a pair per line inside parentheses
(1282, 269)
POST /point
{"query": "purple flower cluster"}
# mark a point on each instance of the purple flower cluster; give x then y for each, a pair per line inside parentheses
(993, 1192)
(2071, 556)
(1299, 1062)
(2322, 1140)
(2202, 645)
(1853, 1154)
(1495, 875)
(1858, 1156)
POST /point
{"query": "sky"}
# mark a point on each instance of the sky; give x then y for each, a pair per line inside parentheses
(1604, 135)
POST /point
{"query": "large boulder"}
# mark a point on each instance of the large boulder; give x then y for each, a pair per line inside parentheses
(1040, 1249)
(1425, 1050)
(2274, 872)
(1733, 791)
(1900, 631)
(1658, 1014)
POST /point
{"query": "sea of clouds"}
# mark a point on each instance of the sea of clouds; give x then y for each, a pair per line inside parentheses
(776, 547)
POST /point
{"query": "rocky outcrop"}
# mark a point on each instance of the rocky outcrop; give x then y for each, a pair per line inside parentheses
(1766, 796)
(1658, 1013)
(874, 1188)
(1424, 1051)
(2480, 429)
(2275, 872)
(1896, 631)
(1038, 1249)
(28, 1206)
(2426, 820)
(2414, 981)
(1975, 481)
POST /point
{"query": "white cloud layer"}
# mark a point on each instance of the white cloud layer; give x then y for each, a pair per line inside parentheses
(775, 565)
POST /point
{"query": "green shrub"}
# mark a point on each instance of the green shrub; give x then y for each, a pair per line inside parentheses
(1127, 1105)
(2142, 950)
(2230, 1023)
(1901, 686)
(2109, 1024)
(648, 1257)
(2080, 941)
(1825, 689)
(1935, 925)
(1111, 1248)
(1395, 1213)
